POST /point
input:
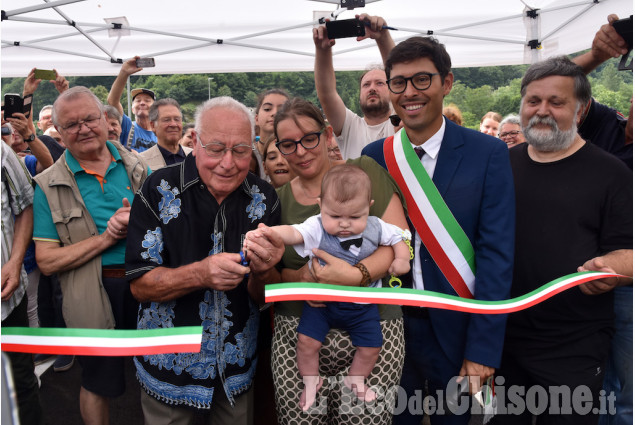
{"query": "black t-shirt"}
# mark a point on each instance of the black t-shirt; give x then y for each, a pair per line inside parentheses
(567, 212)
(605, 127)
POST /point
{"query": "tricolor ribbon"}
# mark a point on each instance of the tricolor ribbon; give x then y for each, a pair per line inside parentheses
(102, 342)
(187, 339)
(414, 297)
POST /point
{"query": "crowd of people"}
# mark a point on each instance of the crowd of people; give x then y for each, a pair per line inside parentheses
(110, 223)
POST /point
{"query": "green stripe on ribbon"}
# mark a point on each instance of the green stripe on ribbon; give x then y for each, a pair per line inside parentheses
(523, 301)
(446, 217)
(103, 333)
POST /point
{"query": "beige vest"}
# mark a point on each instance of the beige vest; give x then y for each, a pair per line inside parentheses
(85, 302)
(154, 159)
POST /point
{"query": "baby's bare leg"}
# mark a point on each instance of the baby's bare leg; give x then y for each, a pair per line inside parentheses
(308, 366)
(362, 365)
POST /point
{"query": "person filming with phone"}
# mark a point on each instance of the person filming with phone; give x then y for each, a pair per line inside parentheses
(31, 84)
(137, 135)
(354, 132)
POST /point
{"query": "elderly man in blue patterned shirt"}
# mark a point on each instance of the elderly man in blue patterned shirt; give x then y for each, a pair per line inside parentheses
(184, 264)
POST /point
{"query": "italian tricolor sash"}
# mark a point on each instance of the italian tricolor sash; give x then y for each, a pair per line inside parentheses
(442, 235)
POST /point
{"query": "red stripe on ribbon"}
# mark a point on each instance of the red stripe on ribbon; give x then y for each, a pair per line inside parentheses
(439, 303)
(427, 237)
(101, 351)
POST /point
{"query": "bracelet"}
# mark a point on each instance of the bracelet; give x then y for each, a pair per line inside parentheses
(365, 274)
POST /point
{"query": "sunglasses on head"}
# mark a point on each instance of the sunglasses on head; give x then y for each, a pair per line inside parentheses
(394, 120)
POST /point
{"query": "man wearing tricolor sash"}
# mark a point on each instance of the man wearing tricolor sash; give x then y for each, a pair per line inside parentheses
(460, 200)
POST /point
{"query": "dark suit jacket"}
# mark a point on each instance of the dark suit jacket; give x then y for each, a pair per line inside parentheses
(474, 176)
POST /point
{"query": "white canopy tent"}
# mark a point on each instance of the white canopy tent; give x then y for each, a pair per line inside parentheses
(198, 36)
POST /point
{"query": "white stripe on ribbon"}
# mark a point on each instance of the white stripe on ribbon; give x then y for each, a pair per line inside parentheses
(79, 341)
(434, 223)
(419, 298)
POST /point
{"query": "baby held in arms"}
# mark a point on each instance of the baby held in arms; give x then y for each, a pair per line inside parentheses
(343, 229)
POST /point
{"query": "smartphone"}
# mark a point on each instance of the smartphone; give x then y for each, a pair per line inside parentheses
(6, 131)
(345, 28)
(14, 103)
(145, 62)
(45, 74)
(624, 27)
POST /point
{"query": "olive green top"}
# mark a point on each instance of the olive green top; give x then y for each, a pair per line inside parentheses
(383, 186)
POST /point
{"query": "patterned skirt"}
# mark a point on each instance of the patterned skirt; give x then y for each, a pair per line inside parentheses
(335, 404)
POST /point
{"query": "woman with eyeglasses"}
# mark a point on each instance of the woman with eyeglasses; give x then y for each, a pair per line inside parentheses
(302, 138)
(510, 131)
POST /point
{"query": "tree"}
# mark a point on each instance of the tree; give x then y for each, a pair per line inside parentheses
(101, 92)
(224, 91)
(188, 110)
(475, 91)
(507, 98)
(251, 99)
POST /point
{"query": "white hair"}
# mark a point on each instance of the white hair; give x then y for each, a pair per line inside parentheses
(224, 102)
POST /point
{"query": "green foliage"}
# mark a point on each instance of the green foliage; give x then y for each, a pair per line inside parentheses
(188, 110)
(507, 98)
(224, 91)
(475, 91)
(251, 99)
(494, 76)
(101, 92)
(12, 85)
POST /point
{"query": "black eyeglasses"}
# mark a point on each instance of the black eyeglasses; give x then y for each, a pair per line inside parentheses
(394, 120)
(509, 134)
(308, 141)
(420, 81)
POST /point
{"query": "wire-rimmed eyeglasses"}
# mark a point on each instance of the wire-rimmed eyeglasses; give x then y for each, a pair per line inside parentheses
(217, 149)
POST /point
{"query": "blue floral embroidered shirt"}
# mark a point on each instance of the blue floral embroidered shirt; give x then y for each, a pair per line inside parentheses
(176, 221)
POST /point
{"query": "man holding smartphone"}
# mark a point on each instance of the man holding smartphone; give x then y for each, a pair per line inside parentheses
(353, 131)
(137, 135)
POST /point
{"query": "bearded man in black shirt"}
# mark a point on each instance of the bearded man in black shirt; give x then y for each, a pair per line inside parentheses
(573, 212)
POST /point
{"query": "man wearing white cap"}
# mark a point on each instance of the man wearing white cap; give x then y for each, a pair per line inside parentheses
(137, 136)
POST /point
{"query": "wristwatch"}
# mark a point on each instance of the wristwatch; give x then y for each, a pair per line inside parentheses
(30, 138)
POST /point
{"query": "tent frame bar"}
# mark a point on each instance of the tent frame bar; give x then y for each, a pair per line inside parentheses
(204, 42)
(29, 9)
